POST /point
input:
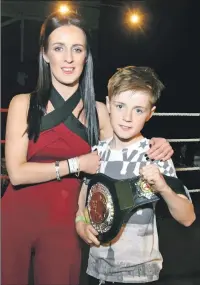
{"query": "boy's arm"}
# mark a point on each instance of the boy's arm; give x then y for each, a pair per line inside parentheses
(180, 207)
(82, 199)
(84, 230)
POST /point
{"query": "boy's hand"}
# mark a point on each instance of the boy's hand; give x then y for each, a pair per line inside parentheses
(87, 233)
(160, 149)
(151, 174)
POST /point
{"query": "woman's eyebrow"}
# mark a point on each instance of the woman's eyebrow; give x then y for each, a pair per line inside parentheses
(60, 43)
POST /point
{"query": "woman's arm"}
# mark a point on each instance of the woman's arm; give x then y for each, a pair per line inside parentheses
(19, 170)
(160, 149)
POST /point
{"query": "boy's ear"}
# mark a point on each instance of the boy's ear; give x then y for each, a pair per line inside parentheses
(108, 104)
(151, 113)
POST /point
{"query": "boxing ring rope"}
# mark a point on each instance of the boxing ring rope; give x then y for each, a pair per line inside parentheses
(4, 110)
(178, 114)
(178, 169)
(183, 140)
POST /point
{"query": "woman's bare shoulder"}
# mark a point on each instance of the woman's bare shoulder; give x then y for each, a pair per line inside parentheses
(20, 101)
(102, 112)
(101, 108)
(104, 121)
(21, 98)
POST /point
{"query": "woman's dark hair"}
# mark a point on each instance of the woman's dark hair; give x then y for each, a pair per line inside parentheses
(41, 95)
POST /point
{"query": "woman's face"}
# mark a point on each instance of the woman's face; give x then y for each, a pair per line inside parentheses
(66, 54)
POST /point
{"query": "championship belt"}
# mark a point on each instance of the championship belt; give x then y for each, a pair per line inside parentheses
(110, 202)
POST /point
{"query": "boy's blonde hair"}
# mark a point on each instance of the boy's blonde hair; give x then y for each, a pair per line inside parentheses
(136, 79)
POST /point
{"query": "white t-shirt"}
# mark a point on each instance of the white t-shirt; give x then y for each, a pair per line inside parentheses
(135, 257)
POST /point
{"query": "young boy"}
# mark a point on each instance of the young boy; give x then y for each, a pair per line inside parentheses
(133, 256)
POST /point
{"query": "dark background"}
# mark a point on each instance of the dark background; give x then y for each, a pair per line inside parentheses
(169, 43)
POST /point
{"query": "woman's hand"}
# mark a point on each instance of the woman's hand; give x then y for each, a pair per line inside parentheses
(160, 149)
(87, 233)
(90, 163)
(152, 175)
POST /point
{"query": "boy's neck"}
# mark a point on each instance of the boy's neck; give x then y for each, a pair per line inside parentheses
(117, 143)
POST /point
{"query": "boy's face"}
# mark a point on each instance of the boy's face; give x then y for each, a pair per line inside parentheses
(128, 113)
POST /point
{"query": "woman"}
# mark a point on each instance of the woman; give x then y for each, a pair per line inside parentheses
(48, 140)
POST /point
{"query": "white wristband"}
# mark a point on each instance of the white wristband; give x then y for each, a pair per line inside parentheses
(73, 164)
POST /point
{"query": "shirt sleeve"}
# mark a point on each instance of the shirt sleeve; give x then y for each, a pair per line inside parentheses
(167, 168)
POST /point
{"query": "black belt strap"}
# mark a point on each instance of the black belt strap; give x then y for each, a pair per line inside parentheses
(128, 201)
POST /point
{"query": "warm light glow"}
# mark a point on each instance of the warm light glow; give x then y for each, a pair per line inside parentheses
(63, 9)
(135, 19)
